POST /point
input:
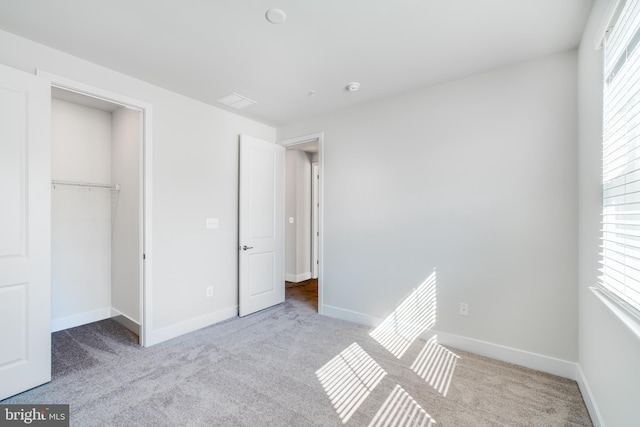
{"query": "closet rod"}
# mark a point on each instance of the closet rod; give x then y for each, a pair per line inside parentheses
(85, 184)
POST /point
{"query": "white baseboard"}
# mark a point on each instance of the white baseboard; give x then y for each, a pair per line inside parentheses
(527, 359)
(125, 321)
(539, 362)
(62, 323)
(589, 400)
(157, 336)
(296, 278)
(351, 316)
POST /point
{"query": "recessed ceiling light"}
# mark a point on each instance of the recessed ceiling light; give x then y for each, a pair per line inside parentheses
(276, 16)
(236, 101)
(353, 86)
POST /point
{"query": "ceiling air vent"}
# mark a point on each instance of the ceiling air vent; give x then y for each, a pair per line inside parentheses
(236, 101)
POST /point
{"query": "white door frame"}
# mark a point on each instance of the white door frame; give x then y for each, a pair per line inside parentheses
(315, 205)
(302, 140)
(145, 187)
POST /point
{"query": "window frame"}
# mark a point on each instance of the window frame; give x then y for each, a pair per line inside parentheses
(616, 301)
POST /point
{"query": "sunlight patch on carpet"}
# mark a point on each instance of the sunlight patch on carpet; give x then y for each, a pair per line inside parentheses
(349, 378)
(400, 409)
(435, 364)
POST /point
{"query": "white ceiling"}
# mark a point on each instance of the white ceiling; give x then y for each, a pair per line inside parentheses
(206, 49)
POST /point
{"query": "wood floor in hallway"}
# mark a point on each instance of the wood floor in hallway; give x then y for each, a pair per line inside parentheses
(306, 292)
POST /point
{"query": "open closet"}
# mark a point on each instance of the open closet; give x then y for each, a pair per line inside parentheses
(96, 211)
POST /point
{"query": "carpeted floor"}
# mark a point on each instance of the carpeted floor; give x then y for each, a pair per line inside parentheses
(288, 366)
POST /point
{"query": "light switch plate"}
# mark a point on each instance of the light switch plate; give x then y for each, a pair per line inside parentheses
(212, 223)
(290, 220)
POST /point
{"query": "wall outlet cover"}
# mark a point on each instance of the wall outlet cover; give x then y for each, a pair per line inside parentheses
(464, 309)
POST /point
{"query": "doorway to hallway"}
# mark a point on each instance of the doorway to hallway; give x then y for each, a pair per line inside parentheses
(304, 216)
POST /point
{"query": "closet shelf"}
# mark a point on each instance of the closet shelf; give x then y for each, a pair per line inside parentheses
(86, 184)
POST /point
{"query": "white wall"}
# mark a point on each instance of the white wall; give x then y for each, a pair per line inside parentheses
(298, 207)
(609, 352)
(80, 217)
(476, 178)
(125, 244)
(195, 175)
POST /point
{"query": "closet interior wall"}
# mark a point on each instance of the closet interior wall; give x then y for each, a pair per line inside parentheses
(95, 231)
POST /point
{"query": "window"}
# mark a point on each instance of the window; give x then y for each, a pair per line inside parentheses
(620, 277)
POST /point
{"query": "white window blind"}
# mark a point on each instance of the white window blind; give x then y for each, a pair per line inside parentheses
(621, 160)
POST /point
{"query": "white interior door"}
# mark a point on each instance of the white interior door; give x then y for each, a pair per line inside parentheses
(25, 234)
(261, 234)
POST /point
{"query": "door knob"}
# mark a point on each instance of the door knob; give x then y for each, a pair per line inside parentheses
(245, 247)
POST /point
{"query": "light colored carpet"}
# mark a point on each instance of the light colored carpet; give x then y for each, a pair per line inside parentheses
(288, 366)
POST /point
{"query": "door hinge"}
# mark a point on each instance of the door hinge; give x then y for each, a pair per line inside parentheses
(144, 256)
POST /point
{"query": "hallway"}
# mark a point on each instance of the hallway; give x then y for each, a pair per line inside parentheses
(306, 292)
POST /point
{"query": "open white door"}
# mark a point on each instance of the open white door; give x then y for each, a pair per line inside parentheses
(261, 235)
(25, 235)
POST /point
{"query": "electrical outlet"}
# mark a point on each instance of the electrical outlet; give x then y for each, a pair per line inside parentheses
(209, 291)
(464, 309)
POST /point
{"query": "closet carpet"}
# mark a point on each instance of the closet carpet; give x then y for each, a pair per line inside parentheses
(266, 370)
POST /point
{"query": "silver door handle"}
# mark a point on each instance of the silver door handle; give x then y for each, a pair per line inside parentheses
(245, 247)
